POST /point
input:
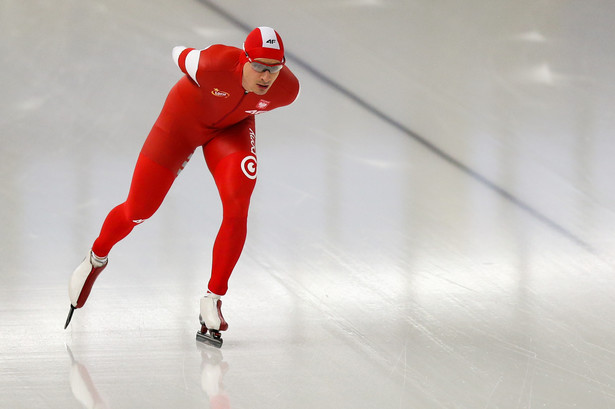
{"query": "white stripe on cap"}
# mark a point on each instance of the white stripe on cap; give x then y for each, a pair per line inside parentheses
(270, 40)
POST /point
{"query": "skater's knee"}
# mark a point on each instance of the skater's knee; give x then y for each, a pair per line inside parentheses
(235, 207)
(137, 216)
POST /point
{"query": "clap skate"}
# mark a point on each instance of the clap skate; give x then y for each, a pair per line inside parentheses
(82, 280)
(212, 321)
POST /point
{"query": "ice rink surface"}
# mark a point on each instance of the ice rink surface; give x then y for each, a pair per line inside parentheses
(432, 227)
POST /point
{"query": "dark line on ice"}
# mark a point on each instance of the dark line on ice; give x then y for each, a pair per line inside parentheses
(404, 129)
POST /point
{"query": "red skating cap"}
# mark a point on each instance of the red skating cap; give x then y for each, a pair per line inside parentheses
(264, 42)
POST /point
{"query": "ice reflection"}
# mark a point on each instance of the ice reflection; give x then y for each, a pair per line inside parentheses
(82, 385)
(213, 369)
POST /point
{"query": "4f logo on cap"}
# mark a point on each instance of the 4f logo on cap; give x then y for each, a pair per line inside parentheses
(269, 38)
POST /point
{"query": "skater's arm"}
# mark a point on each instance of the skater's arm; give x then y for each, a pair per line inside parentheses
(187, 59)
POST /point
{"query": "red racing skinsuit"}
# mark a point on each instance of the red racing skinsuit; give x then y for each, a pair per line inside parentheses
(208, 107)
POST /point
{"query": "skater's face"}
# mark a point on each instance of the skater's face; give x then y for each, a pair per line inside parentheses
(259, 74)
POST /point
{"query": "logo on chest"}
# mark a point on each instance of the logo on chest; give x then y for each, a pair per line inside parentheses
(221, 94)
(261, 107)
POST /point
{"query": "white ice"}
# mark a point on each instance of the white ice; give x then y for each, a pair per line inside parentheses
(432, 226)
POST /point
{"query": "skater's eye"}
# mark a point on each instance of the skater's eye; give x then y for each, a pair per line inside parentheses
(262, 67)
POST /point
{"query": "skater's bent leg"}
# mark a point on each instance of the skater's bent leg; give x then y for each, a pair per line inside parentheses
(150, 184)
(235, 187)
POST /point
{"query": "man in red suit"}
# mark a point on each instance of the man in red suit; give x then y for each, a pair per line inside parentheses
(213, 107)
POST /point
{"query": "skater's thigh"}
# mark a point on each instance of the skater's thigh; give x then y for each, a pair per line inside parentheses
(237, 139)
(231, 157)
(168, 150)
(174, 136)
(150, 184)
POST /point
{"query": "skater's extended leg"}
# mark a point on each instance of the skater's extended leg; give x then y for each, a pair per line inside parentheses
(150, 184)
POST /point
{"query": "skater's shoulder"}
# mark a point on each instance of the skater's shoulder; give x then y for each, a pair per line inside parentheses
(220, 57)
(286, 87)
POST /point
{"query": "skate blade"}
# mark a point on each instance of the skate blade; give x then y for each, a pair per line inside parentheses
(70, 316)
(210, 339)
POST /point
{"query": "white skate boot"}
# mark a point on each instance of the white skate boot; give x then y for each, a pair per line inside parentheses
(212, 321)
(82, 280)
